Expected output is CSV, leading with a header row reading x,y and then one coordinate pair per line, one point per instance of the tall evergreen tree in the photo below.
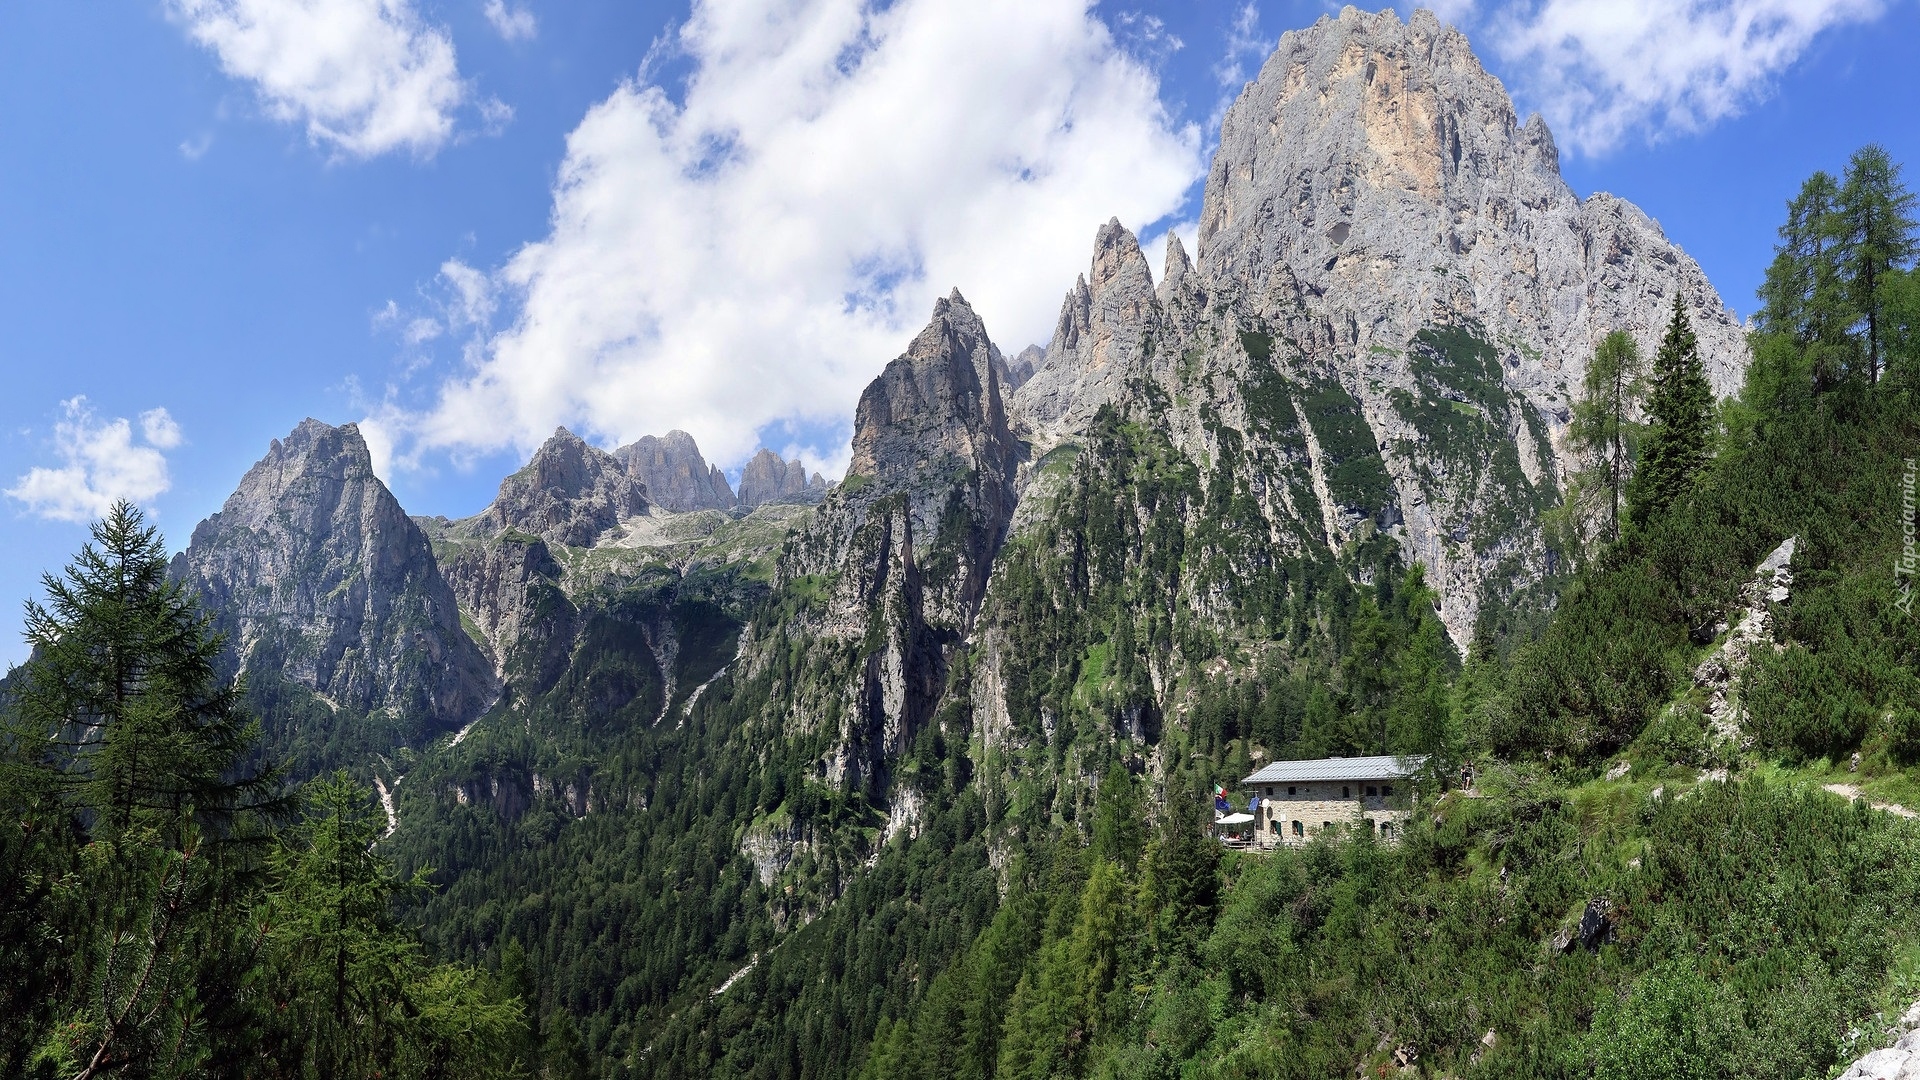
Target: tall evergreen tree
x,y
1878,237
1601,418
1679,440
1805,297
124,692
140,762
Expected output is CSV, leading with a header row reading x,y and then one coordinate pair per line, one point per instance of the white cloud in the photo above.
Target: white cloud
x,y
1604,70
1244,43
512,23
364,76
100,464
756,251
160,428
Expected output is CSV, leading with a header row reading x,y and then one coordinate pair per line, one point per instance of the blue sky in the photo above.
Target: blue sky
x,y
474,219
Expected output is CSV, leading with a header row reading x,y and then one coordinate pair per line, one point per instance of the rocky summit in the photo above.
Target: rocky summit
x,y
766,477
907,539
1386,238
569,493
676,477
319,579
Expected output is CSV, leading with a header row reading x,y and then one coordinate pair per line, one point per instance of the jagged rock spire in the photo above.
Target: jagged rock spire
x,y
569,493
1098,340
317,576
676,476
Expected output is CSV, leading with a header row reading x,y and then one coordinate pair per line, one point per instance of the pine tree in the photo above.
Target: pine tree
x,y
1878,237
141,759
1679,440
1118,828
357,995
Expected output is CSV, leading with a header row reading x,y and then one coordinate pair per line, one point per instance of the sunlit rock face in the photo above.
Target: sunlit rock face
x,y
316,575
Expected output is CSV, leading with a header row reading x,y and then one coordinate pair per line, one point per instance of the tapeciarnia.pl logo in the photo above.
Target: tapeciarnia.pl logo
x,y
1905,567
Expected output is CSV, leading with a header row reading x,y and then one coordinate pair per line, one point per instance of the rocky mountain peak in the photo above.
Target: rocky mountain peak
x,y
935,409
909,537
674,473
768,476
1097,341
319,578
1370,152
1177,268
569,493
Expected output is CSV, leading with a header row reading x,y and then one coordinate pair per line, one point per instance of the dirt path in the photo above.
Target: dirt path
x,y
1848,791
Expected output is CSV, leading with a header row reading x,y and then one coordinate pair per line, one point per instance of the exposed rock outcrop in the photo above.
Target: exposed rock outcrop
x,y
1752,627
318,576
569,494
1022,367
1900,1060
1381,174
908,538
1098,340
676,477
510,587
1395,299
766,477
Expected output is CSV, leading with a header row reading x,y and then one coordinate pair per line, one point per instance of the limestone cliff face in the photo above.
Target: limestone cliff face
x,y
316,575
906,542
509,586
1392,254
676,477
767,477
569,494
1378,175
1104,327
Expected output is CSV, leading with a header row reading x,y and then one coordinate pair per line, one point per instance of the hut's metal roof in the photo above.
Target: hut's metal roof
x,y
1387,767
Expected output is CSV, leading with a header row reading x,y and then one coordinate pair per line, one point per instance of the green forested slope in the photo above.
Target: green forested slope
x,y
632,882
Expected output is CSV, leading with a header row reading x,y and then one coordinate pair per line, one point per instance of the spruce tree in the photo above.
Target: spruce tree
x,y
1878,236
1805,297
1679,440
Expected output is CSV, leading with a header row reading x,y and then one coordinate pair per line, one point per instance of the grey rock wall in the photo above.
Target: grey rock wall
x,y
569,494
676,476
767,477
312,566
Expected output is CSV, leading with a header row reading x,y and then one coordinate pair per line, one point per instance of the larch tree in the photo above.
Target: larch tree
x,y
1875,224
1602,419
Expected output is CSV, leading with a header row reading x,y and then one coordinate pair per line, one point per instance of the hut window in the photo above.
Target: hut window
x,y
1346,792
1299,829
1289,792
1372,791
1387,790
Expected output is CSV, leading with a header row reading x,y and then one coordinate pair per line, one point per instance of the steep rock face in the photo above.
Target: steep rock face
x,y
1098,341
1395,300
1022,367
510,587
766,478
1377,174
569,494
676,477
314,570
905,543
